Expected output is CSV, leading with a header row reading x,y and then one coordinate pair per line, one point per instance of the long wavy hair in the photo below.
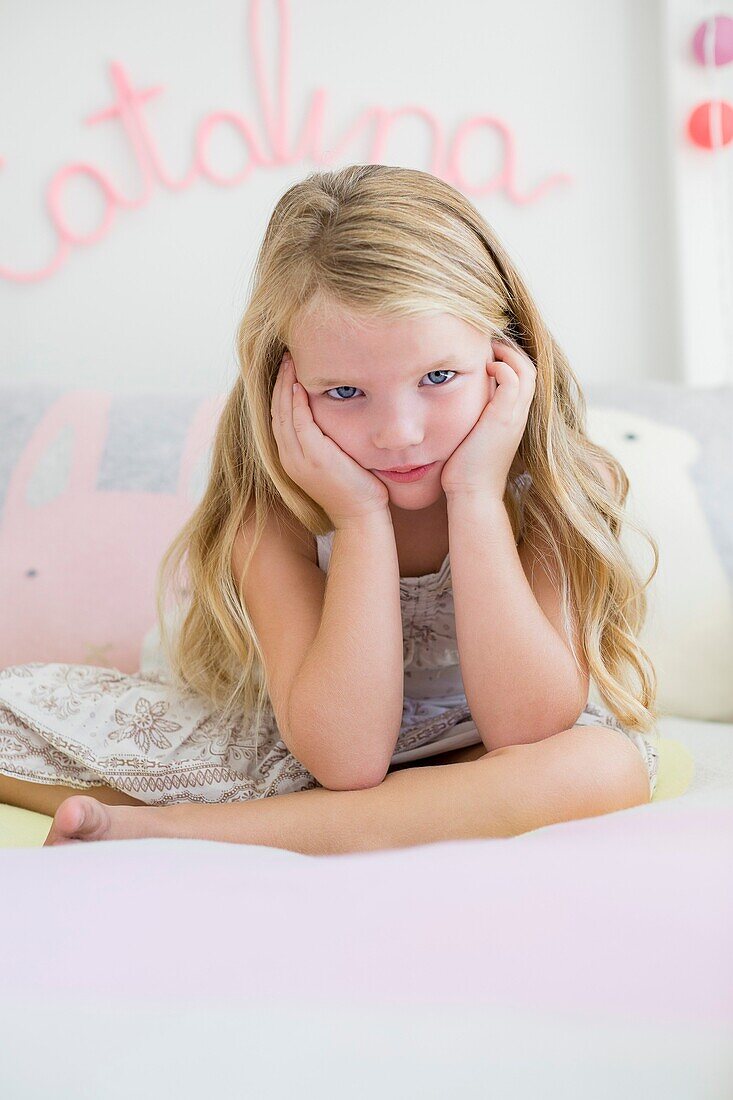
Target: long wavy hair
x,y
390,241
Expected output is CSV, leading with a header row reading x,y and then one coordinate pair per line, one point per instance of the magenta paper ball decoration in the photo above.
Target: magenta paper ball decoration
x,y
700,124
721,29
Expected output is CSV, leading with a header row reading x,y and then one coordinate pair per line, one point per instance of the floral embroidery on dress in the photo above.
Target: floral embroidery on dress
x,y
37,743
146,726
71,685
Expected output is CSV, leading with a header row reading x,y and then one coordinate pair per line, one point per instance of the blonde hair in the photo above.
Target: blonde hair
x,y
386,241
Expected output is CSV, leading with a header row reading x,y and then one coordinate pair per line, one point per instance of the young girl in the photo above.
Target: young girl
x,y
345,625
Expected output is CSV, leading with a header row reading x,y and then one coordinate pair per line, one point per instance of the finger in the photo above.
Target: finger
x,y
504,374
276,389
278,378
520,363
506,354
275,401
280,413
285,412
310,436
518,360
492,380
506,393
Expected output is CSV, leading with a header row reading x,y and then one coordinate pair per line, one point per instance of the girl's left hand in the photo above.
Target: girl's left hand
x,y
481,462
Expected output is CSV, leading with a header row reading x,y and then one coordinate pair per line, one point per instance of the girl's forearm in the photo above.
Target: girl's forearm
x,y
519,677
345,705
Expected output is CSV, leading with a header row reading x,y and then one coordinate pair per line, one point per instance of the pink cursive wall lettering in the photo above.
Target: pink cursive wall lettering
x,y
127,111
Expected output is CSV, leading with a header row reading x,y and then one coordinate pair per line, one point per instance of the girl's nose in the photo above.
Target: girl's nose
x,y
398,433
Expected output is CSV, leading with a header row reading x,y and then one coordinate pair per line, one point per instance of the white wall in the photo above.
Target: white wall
x,y
155,302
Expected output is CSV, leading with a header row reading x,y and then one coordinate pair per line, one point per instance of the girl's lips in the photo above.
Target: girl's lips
x,y
408,475
403,469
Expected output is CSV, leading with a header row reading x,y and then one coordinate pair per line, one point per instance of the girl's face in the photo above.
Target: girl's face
x,y
401,392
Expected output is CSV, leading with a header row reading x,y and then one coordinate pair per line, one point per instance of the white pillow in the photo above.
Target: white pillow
x,y
680,492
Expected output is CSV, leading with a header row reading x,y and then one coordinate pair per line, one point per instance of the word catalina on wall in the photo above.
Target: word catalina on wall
x,y
127,110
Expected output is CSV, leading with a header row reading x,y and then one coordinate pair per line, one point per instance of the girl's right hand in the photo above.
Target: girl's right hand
x,y
345,490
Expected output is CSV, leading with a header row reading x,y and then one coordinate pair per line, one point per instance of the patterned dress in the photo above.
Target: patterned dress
x,y
84,726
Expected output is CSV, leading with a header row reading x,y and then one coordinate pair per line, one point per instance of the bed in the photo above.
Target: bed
x,y
592,958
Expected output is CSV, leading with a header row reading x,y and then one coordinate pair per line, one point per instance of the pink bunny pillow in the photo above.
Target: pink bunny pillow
x,y
93,487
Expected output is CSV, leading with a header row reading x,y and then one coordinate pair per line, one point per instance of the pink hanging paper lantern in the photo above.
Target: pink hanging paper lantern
x,y
711,124
720,27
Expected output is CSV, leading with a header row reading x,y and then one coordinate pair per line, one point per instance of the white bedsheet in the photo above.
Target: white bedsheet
x,y
588,959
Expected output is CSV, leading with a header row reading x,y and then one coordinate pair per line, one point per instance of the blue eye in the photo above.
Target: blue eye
x,y
345,400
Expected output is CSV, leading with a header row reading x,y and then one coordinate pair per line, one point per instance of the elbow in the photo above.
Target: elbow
x,y
352,785
352,771
343,775
330,774
527,730
353,780
353,775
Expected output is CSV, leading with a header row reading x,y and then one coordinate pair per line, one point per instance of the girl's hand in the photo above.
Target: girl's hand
x,y
481,462
345,490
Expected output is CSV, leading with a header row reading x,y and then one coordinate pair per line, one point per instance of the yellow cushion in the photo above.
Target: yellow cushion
x,y
676,769
22,828
26,829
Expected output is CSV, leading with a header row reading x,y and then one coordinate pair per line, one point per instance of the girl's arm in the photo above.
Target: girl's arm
x,y
345,705
519,676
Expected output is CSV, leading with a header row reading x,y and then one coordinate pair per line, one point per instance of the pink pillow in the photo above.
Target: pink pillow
x,y
93,487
